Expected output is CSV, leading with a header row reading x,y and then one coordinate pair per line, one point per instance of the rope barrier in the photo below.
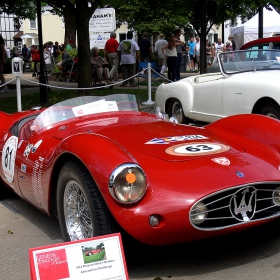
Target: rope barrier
x,y
2,85
76,88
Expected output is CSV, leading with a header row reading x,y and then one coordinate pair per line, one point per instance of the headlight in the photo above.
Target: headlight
x,y
128,183
198,213
276,196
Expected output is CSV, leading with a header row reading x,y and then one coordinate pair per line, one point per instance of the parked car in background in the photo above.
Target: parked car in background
x,y
263,44
247,82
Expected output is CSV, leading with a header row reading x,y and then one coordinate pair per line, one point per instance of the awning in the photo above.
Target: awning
x,y
18,35
29,36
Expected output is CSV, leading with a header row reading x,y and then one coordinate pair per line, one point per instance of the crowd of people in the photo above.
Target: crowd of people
x,y
126,54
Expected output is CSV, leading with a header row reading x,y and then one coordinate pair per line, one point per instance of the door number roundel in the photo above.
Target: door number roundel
x,y
196,149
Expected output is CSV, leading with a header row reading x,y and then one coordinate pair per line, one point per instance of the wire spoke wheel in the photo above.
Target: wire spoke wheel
x,y
76,212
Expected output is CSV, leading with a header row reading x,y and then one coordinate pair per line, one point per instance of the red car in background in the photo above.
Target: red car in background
x,y
263,43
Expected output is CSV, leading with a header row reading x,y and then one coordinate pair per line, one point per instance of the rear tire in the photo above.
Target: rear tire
x,y
82,212
271,110
175,109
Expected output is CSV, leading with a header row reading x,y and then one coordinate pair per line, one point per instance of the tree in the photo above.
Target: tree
x,y
165,16
80,12
20,8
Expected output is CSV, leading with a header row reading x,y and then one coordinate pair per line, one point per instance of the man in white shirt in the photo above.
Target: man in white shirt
x,y
219,49
160,57
129,52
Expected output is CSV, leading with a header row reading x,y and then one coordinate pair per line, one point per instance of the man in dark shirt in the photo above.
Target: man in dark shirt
x,y
145,48
55,51
25,52
177,35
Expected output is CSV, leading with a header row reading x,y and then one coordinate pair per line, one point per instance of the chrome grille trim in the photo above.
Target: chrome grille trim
x,y
238,205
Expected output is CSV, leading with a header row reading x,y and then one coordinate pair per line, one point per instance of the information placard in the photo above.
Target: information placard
x,y
93,258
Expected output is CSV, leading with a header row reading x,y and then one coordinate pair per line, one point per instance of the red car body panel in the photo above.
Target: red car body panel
x,y
262,41
175,183
93,252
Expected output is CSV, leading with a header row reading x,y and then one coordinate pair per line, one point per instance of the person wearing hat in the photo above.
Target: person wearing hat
x,y
160,57
69,45
145,48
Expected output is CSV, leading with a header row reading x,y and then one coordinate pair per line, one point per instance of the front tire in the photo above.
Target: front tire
x,y
175,109
271,110
82,212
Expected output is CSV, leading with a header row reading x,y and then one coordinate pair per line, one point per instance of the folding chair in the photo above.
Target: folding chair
x,y
157,77
142,73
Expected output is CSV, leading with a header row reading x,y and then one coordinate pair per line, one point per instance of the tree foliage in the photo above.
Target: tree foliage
x,y
20,8
159,16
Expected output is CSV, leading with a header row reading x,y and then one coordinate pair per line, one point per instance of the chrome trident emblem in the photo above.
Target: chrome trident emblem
x,y
247,197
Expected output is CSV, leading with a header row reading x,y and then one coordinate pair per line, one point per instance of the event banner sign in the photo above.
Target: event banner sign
x,y
93,258
103,20
98,39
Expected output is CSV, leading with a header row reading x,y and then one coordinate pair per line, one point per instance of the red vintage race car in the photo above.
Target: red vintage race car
x,y
101,166
92,252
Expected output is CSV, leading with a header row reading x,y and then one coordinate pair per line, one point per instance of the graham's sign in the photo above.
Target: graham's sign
x,y
103,20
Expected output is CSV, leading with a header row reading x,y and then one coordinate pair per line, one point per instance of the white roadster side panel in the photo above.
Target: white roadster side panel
x,y
181,90
208,98
242,91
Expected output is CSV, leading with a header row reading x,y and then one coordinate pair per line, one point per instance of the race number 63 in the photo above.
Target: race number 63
x,y
8,158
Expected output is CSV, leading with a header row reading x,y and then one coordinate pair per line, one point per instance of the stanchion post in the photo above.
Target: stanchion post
x,y
149,101
17,70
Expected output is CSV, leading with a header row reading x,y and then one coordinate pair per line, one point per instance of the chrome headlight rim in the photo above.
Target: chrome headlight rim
x,y
118,171
198,205
275,196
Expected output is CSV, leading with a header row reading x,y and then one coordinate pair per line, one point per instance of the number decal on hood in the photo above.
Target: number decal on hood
x,y
196,149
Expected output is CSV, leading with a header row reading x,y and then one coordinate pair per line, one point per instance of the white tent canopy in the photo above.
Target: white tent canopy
x,y
249,30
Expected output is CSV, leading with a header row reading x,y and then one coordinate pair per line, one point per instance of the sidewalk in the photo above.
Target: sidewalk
x,y
31,87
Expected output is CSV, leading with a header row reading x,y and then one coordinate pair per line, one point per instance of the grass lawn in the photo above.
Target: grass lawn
x,y
94,258
9,105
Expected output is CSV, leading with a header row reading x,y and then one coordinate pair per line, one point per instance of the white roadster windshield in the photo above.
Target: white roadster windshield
x,y
83,106
249,60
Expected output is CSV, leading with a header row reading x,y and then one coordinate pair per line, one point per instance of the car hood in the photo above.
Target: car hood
x,y
162,139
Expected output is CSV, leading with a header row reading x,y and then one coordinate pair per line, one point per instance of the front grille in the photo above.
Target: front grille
x,y
239,205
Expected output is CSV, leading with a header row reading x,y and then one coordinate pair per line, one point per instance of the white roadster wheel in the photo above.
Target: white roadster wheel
x,y
175,109
271,110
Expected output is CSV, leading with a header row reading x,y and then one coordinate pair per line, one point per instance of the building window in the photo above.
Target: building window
x,y
33,24
16,24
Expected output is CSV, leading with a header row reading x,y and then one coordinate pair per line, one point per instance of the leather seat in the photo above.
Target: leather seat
x,y
25,131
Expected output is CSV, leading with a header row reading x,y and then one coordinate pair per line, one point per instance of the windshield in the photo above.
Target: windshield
x,y
83,106
249,60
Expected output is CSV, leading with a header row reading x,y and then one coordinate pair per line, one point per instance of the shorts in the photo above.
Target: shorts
x,y
197,58
191,57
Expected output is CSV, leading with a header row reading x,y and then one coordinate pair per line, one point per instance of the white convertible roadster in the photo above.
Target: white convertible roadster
x,y
245,82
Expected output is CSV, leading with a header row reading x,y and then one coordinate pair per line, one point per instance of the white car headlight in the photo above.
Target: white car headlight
x,y
127,183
